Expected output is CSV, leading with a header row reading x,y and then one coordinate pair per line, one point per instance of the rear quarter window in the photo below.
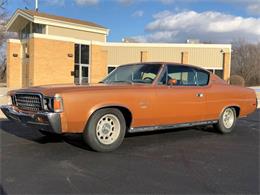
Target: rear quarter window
x,y
202,77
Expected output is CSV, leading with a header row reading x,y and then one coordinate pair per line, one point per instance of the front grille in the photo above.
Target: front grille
x,y
28,102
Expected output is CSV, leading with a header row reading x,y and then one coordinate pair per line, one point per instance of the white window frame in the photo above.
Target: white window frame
x,y
82,65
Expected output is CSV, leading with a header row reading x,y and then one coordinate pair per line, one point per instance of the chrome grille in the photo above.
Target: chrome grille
x,y
28,102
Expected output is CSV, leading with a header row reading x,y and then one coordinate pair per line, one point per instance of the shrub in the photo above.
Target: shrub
x,y
237,80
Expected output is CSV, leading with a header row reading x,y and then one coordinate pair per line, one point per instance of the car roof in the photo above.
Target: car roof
x,y
168,63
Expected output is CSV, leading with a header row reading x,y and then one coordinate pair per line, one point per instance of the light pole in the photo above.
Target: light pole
x,y
36,5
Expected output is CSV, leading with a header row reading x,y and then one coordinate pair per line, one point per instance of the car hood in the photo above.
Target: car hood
x,y
51,90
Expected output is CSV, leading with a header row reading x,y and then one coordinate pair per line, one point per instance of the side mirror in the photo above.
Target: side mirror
x,y
172,82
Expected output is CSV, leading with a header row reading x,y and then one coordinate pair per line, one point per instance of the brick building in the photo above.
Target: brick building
x,y
52,49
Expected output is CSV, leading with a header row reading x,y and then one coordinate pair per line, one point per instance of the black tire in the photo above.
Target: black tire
x,y
221,126
92,131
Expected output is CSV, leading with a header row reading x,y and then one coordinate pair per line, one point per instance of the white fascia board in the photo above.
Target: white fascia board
x,y
14,17
213,68
59,38
184,45
112,65
14,40
48,21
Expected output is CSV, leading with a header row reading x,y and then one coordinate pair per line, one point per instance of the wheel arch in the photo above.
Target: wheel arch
x,y
236,107
124,110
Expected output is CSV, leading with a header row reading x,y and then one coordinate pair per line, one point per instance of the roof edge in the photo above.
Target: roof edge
x,y
15,15
55,22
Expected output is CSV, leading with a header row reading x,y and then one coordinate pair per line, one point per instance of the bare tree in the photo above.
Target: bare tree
x,y
246,61
3,36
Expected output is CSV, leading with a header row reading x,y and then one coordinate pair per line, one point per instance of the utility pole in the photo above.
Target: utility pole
x,y
36,5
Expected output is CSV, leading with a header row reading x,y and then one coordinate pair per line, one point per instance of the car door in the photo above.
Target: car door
x,y
179,98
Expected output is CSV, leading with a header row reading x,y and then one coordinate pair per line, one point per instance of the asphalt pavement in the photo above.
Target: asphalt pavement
x,y
181,161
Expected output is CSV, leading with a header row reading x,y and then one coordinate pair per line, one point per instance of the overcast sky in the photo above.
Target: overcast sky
x,y
217,21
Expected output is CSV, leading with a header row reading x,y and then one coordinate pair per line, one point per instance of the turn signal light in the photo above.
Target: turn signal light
x,y
57,104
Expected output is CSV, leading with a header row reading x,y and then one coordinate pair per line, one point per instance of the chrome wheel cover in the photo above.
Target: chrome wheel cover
x,y
228,118
108,129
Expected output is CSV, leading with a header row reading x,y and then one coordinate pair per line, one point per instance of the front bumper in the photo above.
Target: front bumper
x,y
46,121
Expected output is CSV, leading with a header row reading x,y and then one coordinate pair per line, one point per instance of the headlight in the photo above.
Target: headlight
x,y
9,100
57,103
53,104
47,103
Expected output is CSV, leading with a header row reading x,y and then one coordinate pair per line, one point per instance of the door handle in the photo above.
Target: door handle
x,y
200,95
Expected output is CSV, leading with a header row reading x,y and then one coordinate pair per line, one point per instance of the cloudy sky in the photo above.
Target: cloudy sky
x,y
216,21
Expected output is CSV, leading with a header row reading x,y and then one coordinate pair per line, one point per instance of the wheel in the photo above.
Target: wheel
x,y
105,130
227,121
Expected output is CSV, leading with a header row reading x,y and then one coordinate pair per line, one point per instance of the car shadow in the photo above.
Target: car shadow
x,y
76,140
32,134
27,133
208,128
2,191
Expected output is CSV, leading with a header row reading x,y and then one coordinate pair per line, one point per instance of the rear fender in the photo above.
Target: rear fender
x,y
230,105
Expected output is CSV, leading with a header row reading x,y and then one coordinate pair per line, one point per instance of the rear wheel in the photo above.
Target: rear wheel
x,y
105,130
227,121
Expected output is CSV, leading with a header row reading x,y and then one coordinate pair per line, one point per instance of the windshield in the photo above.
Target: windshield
x,y
135,73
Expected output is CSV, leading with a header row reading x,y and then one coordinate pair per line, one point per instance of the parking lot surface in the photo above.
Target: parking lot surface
x,y
191,160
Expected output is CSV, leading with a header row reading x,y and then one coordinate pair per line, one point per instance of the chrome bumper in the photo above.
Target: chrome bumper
x,y
45,121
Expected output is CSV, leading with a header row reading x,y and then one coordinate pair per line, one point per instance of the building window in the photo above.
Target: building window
x,y
110,69
32,28
38,28
84,54
76,53
25,33
81,60
219,73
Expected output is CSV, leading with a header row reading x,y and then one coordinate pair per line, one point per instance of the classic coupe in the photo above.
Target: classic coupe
x,y
133,98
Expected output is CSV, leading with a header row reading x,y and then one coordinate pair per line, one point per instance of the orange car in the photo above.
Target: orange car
x,y
133,98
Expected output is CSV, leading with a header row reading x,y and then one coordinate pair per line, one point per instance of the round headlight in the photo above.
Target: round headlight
x,y
9,100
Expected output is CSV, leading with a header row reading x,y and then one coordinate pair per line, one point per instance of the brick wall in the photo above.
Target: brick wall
x,y
98,65
14,67
50,62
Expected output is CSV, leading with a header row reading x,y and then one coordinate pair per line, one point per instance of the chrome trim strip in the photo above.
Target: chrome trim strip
x,y
173,126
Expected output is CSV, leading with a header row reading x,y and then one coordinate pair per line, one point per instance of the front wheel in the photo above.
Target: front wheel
x,y
105,130
227,121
